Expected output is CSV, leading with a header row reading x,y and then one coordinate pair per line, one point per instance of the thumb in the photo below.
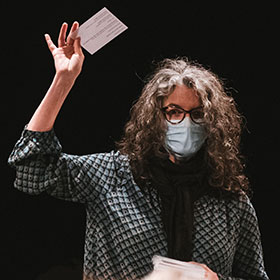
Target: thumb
x,y
50,43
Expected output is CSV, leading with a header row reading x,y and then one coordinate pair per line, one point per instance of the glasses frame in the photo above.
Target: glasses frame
x,y
163,109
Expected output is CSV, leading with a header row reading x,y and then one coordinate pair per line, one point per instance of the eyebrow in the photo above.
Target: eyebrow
x,y
179,107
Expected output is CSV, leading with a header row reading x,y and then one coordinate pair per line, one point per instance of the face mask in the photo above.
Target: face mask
x,y
184,139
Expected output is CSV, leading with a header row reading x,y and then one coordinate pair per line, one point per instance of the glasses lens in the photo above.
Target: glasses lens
x,y
197,116
174,115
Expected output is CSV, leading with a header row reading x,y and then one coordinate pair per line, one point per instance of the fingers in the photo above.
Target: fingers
x,y
201,265
62,35
50,43
209,274
76,42
70,40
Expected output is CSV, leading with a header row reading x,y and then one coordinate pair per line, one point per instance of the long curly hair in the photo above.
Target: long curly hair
x,y
144,133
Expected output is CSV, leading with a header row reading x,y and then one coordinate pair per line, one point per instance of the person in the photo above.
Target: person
x,y
175,186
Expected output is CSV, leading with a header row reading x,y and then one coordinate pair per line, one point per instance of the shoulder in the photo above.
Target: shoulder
x,y
107,169
120,160
235,205
243,205
248,216
235,212
107,164
99,165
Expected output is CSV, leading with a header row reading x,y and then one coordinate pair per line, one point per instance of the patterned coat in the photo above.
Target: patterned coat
x,y
124,229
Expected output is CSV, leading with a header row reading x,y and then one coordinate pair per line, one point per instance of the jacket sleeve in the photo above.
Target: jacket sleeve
x,y
42,167
248,260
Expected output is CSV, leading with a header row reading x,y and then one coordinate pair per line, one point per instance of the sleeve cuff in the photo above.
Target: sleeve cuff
x,y
33,143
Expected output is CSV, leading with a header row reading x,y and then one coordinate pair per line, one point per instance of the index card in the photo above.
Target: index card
x,y
190,270
99,30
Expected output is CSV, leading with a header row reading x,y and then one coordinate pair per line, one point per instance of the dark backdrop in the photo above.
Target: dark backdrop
x,y
44,236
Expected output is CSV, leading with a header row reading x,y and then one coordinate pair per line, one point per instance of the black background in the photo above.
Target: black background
x,y
44,236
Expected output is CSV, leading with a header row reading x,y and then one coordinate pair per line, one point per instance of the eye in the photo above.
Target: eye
x,y
174,115
197,115
172,112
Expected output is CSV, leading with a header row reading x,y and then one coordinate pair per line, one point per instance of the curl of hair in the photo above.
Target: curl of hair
x,y
144,134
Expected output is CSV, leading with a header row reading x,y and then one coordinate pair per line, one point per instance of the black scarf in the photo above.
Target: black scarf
x,y
179,185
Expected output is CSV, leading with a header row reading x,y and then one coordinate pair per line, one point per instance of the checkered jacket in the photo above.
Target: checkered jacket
x,y
124,229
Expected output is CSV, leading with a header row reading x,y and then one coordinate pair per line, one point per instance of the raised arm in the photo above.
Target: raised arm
x,y
68,59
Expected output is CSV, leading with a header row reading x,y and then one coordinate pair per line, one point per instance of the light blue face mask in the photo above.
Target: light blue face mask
x,y
184,139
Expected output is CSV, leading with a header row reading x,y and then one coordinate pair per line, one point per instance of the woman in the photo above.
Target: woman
x,y
175,187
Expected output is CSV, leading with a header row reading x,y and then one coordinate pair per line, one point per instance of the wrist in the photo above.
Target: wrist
x,y
65,79
63,83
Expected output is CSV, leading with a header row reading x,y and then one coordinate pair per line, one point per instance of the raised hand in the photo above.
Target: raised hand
x,y
68,59
68,56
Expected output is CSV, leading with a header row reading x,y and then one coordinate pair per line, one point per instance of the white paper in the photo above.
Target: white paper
x,y
99,30
190,271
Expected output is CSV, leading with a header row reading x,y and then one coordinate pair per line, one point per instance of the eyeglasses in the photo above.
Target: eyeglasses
x,y
175,114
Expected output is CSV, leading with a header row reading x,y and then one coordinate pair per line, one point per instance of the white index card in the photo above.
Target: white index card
x,y
189,270
99,30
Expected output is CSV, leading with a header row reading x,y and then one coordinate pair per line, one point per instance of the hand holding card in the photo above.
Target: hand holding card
x,y
183,270
68,56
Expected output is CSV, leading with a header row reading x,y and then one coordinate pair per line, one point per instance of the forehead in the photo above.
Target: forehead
x,y
183,96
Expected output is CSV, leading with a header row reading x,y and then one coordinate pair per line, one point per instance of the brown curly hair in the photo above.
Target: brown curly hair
x,y
144,134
